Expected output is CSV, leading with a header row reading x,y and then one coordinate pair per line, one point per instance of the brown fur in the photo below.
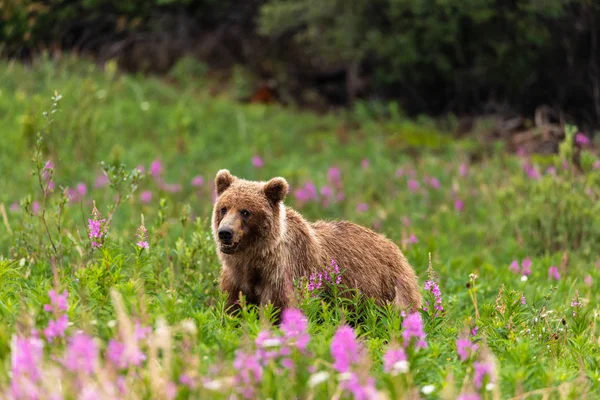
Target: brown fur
x,y
275,245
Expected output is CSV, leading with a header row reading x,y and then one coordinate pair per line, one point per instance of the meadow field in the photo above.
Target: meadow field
x,y
109,274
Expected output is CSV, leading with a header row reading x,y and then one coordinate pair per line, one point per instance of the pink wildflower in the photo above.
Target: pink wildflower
x,y
14,207
58,301
56,328
526,266
294,326
463,170
514,266
101,181
391,360
364,163
156,168
465,348
257,162
249,373
306,193
400,172
345,349
81,354
361,390
482,371
198,181
142,234
434,183
188,381
124,356
596,164
362,207
588,280
582,139
523,301
146,196
81,190
459,205
469,396
35,207
26,360
433,287
413,185
553,273
413,328
334,176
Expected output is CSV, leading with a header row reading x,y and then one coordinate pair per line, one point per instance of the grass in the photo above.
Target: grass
x,y
404,178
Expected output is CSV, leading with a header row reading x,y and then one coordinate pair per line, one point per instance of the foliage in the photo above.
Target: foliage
x,y
128,304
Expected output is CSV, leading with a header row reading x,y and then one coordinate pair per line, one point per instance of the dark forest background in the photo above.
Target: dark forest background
x,y
532,58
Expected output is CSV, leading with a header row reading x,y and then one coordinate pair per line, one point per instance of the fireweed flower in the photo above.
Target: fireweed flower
x,y
364,163
514,266
483,371
434,183
146,196
334,176
197,181
35,207
361,389
413,185
413,328
101,181
469,396
459,205
249,373
96,228
306,193
58,302
56,328
81,189
395,362
346,350
294,326
81,354
526,266
124,356
576,304
433,287
331,274
362,207
142,234
523,301
156,168
588,280
25,366
257,162
582,139
465,348
553,273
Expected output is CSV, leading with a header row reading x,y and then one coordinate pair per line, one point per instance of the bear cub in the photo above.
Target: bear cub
x,y
265,246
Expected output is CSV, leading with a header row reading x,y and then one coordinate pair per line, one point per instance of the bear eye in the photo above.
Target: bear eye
x,y
223,210
245,213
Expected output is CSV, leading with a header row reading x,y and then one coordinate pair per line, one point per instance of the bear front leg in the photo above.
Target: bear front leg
x,y
229,286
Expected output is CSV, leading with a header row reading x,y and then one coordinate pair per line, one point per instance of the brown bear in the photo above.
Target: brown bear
x,y
265,246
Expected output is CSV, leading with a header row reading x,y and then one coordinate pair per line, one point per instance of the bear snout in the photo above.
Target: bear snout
x,y
226,235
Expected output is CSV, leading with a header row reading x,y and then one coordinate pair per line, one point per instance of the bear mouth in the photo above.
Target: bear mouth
x,y
229,248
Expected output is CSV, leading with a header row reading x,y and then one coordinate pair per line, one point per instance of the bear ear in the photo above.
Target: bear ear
x,y
223,180
276,190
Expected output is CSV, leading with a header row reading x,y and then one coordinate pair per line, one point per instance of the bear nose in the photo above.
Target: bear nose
x,y
226,235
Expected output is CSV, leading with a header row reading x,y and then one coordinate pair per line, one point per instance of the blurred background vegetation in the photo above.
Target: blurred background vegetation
x,y
465,57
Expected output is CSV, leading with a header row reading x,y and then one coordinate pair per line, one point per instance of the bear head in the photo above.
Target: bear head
x,y
248,215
